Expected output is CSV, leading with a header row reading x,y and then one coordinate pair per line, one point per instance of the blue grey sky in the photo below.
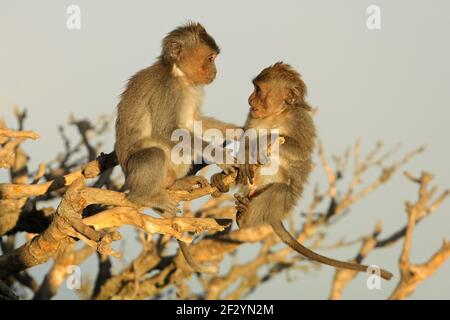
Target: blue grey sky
x,y
390,84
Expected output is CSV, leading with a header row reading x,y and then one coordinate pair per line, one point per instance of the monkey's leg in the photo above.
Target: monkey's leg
x,y
260,206
212,123
146,179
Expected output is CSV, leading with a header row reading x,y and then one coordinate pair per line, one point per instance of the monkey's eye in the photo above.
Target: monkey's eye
x,y
211,58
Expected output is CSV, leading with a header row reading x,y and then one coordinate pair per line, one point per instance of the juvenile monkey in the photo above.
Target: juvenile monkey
x,y
278,102
157,100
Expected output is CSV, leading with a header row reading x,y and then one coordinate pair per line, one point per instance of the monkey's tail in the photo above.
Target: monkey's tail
x,y
192,263
288,239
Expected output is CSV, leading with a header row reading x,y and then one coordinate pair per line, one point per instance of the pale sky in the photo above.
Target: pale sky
x,y
390,84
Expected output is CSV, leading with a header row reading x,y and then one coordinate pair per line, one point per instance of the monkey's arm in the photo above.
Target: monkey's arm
x,y
227,164
211,152
254,158
290,149
212,123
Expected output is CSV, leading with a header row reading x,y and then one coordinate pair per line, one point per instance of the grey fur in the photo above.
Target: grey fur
x,y
158,100
275,201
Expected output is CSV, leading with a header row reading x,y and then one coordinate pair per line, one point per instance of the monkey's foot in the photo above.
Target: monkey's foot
x,y
162,203
190,183
170,209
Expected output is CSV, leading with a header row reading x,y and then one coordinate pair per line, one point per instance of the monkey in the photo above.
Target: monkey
x,y
278,101
156,101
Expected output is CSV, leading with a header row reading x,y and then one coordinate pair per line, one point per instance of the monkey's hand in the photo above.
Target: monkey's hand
x,y
247,170
242,204
190,183
217,180
246,173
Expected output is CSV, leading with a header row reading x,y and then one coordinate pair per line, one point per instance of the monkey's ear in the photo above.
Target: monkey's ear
x,y
175,48
293,96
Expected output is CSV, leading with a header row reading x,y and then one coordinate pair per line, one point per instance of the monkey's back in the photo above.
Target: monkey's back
x,y
140,121
298,166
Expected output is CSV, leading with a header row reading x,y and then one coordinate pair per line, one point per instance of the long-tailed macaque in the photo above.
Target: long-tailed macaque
x,y
278,102
158,100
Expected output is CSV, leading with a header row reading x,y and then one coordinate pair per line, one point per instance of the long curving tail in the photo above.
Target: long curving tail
x,y
192,263
288,239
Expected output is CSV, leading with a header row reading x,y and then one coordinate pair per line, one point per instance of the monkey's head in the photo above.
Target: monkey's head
x,y
276,88
193,51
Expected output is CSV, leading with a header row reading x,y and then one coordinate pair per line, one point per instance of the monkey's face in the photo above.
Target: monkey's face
x,y
267,98
199,65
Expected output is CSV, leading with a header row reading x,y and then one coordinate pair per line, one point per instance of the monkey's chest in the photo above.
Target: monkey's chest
x,y
191,102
